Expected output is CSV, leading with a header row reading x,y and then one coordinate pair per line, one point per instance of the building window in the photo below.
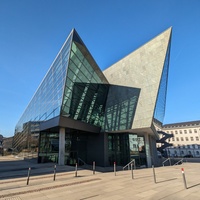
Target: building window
x,y
185,131
180,131
197,152
182,139
197,138
190,131
191,138
186,138
167,131
171,132
195,130
182,152
176,132
188,146
173,139
177,139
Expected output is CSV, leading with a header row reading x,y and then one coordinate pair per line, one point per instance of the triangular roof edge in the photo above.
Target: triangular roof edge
x,y
94,63
168,29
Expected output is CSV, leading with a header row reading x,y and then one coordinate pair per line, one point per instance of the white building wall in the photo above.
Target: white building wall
x,y
186,140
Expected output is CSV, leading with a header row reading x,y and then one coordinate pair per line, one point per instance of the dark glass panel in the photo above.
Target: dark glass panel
x,y
120,108
87,99
118,149
48,147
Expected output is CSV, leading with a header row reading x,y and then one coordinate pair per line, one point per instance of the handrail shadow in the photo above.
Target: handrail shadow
x,y
193,186
166,180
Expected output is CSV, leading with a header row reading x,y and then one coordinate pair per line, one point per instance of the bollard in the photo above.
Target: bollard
x,y
54,177
29,171
115,168
76,170
93,167
154,175
132,170
184,180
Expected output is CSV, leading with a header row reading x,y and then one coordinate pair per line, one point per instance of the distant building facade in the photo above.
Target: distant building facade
x,y
7,143
80,112
179,139
1,144
185,140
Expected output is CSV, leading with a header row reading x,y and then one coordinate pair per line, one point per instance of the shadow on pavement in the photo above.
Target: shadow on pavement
x,y
166,180
19,168
193,186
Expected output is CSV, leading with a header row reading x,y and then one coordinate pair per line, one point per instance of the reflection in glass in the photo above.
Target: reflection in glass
x,y
161,98
120,108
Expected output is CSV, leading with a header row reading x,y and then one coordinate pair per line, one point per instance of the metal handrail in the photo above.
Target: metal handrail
x,y
132,161
168,159
79,159
179,162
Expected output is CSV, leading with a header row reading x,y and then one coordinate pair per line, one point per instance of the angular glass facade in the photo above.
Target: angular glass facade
x,y
73,87
93,119
47,100
85,89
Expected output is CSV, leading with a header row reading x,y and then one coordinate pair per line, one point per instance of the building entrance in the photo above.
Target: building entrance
x,y
124,147
75,147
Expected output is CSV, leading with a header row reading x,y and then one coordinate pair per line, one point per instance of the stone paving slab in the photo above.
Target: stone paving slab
x,y
169,183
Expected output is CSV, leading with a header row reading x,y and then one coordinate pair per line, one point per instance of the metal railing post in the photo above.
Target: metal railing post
x,y
76,170
184,179
54,176
132,170
134,164
115,168
93,167
154,174
29,171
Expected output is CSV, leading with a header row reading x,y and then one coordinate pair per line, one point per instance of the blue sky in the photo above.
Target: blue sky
x,y
33,31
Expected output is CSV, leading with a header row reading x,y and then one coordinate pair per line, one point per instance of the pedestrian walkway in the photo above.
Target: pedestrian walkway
x,y
99,186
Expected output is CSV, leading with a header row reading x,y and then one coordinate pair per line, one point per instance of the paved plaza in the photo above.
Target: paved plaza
x,y
101,185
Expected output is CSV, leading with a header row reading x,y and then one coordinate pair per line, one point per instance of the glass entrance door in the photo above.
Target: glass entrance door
x,y
137,150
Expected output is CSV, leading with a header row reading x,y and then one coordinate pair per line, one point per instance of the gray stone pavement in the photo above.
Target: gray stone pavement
x,y
106,186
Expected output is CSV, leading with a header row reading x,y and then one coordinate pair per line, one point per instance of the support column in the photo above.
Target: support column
x,y
61,159
148,150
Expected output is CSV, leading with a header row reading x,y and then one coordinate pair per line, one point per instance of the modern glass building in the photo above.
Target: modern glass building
x,y
81,113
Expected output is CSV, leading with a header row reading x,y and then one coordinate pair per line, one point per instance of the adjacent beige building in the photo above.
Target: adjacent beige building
x,y
185,140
